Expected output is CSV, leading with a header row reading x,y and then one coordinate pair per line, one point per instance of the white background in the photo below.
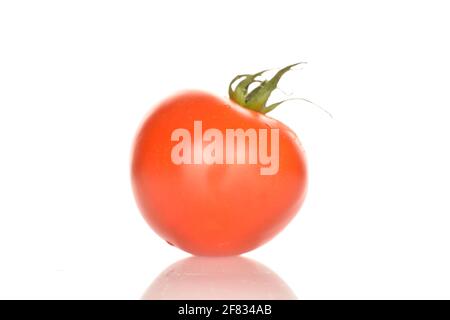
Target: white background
x,y
77,78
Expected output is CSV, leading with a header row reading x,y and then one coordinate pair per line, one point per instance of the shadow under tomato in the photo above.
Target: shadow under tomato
x,y
200,278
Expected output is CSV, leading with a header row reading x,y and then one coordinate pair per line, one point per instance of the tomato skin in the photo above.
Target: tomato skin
x,y
217,209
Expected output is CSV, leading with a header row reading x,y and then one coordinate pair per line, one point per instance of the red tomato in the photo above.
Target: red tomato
x,y
220,208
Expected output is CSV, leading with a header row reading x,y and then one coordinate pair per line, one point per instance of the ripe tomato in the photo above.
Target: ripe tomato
x,y
227,204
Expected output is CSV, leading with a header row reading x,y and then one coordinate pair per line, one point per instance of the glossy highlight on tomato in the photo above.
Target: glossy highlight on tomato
x,y
220,208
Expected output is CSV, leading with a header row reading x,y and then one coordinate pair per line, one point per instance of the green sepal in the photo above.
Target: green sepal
x,y
274,105
239,94
256,99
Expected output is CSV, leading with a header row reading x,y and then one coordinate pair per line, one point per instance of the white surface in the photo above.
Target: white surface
x,y
77,77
